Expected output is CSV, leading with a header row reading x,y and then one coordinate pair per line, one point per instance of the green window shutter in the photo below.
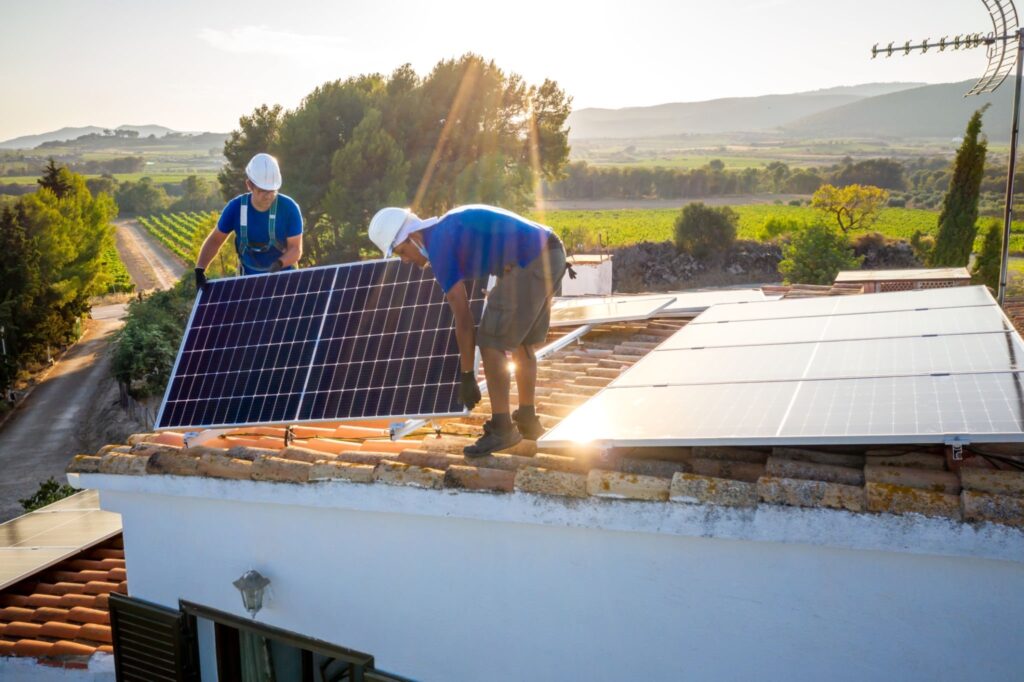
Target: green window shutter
x,y
152,643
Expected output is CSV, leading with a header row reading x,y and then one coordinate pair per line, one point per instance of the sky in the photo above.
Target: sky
x,y
201,64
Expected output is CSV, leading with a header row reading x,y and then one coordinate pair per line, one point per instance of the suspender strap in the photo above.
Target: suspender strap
x,y
243,227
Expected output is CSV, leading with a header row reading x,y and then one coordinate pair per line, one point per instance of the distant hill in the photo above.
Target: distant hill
x,y
64,134
734,114
930,111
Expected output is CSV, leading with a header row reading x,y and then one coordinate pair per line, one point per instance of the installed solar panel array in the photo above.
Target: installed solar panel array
x,y
358,341
909,367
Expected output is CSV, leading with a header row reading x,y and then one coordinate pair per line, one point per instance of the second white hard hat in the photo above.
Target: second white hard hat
x,y
385,226
264,172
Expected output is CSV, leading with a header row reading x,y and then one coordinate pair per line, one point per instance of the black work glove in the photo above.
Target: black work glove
x,y
277,266
469,392
201,279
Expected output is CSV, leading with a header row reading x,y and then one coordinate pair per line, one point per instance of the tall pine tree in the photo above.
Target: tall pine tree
x,y
959,216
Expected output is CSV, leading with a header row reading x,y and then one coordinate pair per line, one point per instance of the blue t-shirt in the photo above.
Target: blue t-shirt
x,y
476,240
288,224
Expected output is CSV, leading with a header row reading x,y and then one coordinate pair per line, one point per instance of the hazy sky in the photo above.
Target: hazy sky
x,y
199,65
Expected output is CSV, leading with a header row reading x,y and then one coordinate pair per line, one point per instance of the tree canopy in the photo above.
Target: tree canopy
x,y
53,242
466,132
854,207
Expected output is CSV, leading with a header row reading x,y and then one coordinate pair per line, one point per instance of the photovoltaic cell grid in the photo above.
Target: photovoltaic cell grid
x,y
864,369
355,341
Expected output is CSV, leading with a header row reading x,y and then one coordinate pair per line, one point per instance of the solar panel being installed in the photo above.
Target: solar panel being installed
x,y
847,376
362,340
607,310
685,303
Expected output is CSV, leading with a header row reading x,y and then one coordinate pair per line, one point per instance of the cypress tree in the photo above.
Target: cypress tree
x,y
959,216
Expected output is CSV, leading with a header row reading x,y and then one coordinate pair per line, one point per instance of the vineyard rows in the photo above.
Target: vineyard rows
x,y
120,280
629,226
177,231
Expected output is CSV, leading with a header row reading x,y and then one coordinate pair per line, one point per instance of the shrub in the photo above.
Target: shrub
x,y
706,232
776,227
897,202
868,241
923,245
987,266
816,254
795,202
145,347
49,492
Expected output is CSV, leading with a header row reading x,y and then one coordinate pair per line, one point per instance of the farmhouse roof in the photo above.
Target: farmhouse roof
x,y
860,480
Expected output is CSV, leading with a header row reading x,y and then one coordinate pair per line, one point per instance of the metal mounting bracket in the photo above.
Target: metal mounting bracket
x,y
194,438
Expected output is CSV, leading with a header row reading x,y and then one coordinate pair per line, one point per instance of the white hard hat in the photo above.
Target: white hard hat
x,y
385,226
264,172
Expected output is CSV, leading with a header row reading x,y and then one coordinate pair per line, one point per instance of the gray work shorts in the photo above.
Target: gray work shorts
x,y
518,310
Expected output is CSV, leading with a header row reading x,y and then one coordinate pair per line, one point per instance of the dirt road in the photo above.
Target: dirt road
x,y
150,264
60,418
44,434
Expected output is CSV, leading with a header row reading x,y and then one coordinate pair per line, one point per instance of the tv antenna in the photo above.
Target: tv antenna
x,y
1005,46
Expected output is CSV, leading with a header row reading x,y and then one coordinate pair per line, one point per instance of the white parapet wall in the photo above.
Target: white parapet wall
x,y
457,586
593,276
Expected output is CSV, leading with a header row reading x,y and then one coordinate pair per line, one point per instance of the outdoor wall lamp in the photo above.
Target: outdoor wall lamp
x,y
251,585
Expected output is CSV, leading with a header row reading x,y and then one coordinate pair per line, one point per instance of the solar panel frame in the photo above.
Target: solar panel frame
x,y
944,298
294,405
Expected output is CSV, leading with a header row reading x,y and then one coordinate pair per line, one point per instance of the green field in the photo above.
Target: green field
x,y
158,178
628,226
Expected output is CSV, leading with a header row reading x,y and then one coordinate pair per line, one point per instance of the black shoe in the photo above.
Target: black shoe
x,y
493,440
530,427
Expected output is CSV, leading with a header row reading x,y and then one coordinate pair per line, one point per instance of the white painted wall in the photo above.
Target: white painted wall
x,y
463,586
100,669
592,279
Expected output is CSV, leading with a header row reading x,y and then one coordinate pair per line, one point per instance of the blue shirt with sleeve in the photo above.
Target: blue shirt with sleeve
x,y
475,241
288,224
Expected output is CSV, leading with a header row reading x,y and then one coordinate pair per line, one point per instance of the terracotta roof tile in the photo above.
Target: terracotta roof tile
x,y
66,648
82,614
96,632
70,601
60,630
50,613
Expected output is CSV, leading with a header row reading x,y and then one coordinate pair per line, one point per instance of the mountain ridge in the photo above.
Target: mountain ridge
x,y
69,133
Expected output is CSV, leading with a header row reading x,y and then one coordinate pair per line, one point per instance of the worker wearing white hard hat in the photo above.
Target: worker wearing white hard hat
x,y
528,259
267,224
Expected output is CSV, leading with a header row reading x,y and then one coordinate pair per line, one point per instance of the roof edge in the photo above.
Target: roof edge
x,y
905,533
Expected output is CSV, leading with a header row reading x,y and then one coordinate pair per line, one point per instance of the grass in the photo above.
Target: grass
x,y
628,226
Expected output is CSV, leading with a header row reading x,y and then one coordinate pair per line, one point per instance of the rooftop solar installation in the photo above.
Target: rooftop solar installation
x,y
867,370
32,542
374,339
608,310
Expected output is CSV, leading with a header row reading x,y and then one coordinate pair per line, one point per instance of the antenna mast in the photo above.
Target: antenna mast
x,y
1005,46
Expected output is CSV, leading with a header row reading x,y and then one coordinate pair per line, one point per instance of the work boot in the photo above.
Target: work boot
x,y
496,437
528,425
